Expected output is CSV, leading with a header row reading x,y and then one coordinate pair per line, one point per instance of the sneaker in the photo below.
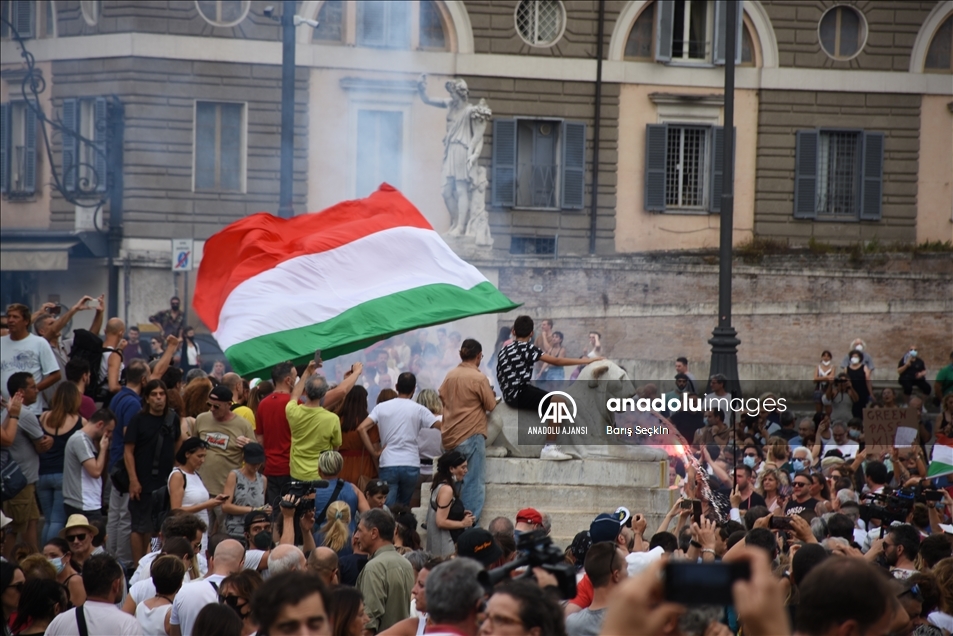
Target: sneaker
x,y
552,453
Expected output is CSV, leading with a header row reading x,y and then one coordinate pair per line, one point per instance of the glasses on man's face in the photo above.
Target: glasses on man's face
x,y
800,484
232,600
76,538
214,406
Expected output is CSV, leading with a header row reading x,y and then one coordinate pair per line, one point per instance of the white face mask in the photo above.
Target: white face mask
x,y
854,360
859,347
826,363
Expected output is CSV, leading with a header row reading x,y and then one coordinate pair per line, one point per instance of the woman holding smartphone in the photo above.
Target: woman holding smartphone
x,y
187,491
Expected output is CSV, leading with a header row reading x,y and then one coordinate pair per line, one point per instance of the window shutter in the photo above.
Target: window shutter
x,y
574,165
716,178
372,23
805,175
397,27
4,147
664,21
656,146
70,144
100,114
24,12
504,163
871,194
29,149
723,11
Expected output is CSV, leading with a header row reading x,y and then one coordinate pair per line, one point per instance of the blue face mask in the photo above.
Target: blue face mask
x,y
705,421
750,461
854,433
798,465
913,353
57,564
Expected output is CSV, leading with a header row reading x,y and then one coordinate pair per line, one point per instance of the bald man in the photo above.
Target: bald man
x,y
323,561
112,353
234,382
228,559
286,558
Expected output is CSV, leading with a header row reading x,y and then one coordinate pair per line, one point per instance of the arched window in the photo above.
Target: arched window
x,y
406,25
940,54
640,45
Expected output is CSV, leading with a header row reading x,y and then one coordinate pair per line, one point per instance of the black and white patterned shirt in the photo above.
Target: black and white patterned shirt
x,y
514,367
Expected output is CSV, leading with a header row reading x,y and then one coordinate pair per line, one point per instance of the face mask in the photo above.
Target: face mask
x,y
854,433
705,421
798,465
57,564
855,360
826,363
263,540
913,353
749,461
859,347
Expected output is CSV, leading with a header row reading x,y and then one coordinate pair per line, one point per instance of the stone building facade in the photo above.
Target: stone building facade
x,y
199,86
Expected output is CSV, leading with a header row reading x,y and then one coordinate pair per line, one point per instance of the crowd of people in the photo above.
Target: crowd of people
x,y
178,502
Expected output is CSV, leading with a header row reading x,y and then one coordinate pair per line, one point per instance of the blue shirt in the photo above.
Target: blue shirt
x,y
348,495
124,406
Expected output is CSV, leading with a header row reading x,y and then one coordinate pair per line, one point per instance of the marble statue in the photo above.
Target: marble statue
x,y
464,180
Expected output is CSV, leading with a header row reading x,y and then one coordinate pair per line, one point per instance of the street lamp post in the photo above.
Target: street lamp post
x,y
724,341
285,199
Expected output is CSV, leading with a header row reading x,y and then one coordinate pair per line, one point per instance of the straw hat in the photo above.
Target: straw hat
x,y
78,521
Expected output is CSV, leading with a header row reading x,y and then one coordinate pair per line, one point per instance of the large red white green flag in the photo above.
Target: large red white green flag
x,y
274,289
941,462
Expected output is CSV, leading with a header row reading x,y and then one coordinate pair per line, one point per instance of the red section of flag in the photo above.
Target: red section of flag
x,y
261,242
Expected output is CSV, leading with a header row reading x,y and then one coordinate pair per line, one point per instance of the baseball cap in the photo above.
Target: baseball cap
x,y
221,393
605,527
624,516
479,544
529,515
255,516
253,453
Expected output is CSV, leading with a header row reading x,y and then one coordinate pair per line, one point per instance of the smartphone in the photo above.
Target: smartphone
x,y
55,310
697,511
317,357
685,504
780,523
703,583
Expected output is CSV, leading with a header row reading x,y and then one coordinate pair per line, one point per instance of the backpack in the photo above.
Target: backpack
x,y
89,347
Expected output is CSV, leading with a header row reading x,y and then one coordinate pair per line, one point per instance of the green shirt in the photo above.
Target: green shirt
x,y
386,582
945,379
313,431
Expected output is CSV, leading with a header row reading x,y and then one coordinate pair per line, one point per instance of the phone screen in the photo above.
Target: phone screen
x,y
697,511
780,523
685,504
317,356
703,583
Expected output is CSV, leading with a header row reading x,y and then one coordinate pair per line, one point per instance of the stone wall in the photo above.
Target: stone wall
x,y
159,98
783,113
892,28
786,309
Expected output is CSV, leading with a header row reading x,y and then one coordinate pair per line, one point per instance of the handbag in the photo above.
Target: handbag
x,y
14,480
119,476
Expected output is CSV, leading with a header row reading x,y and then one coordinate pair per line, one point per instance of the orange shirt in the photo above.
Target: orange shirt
x,y
466,396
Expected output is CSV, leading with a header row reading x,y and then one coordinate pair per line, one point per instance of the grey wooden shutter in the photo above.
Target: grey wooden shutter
x,y
574,165
724,10
871,184
29,150
504,163
24,17
656,144
100,114
716,177
664,21
4,147
70,119
805,174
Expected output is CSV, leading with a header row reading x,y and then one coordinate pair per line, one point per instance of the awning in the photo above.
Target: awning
x,y
33,257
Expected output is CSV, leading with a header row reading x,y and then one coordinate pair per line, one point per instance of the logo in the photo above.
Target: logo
x,y
558,411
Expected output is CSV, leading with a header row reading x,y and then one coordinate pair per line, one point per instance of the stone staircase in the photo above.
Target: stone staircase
x,y
573,492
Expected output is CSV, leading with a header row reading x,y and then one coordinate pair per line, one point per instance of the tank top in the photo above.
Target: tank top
x,y
858,380
51,462
195,493
247,493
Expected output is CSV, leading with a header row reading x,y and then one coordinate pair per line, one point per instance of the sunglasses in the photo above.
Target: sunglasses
x,y
232,600
76,537
800,484
213,405
914,591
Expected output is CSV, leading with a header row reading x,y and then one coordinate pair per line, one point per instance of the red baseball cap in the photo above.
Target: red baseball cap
x,y
529,515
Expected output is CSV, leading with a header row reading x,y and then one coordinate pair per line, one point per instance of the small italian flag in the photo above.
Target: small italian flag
x,y
941,463
274,289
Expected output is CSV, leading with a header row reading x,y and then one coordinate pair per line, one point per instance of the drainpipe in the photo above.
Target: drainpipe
x,y
597,128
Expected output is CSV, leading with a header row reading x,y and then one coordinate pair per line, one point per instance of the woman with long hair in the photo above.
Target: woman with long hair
x,y
236,592
258,393
40,602
769,486
196,396
173,382
819,487
349,616
446,517
944,420
187,491
191,356
11,588
336,533
58,553
60,422
359,465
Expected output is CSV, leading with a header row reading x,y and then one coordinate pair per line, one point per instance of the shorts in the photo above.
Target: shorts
x,y
529,398
141,513
22,509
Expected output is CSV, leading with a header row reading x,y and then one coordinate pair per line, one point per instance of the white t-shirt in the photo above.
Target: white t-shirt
x,y
848,450
33,355
190,600
144,571
398,421
101,619
145,589
939,619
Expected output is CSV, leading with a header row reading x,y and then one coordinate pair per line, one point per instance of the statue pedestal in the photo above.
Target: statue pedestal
x,y
573,492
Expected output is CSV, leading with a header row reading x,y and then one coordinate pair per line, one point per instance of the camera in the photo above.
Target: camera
x,y
301,490
896,505
535,550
